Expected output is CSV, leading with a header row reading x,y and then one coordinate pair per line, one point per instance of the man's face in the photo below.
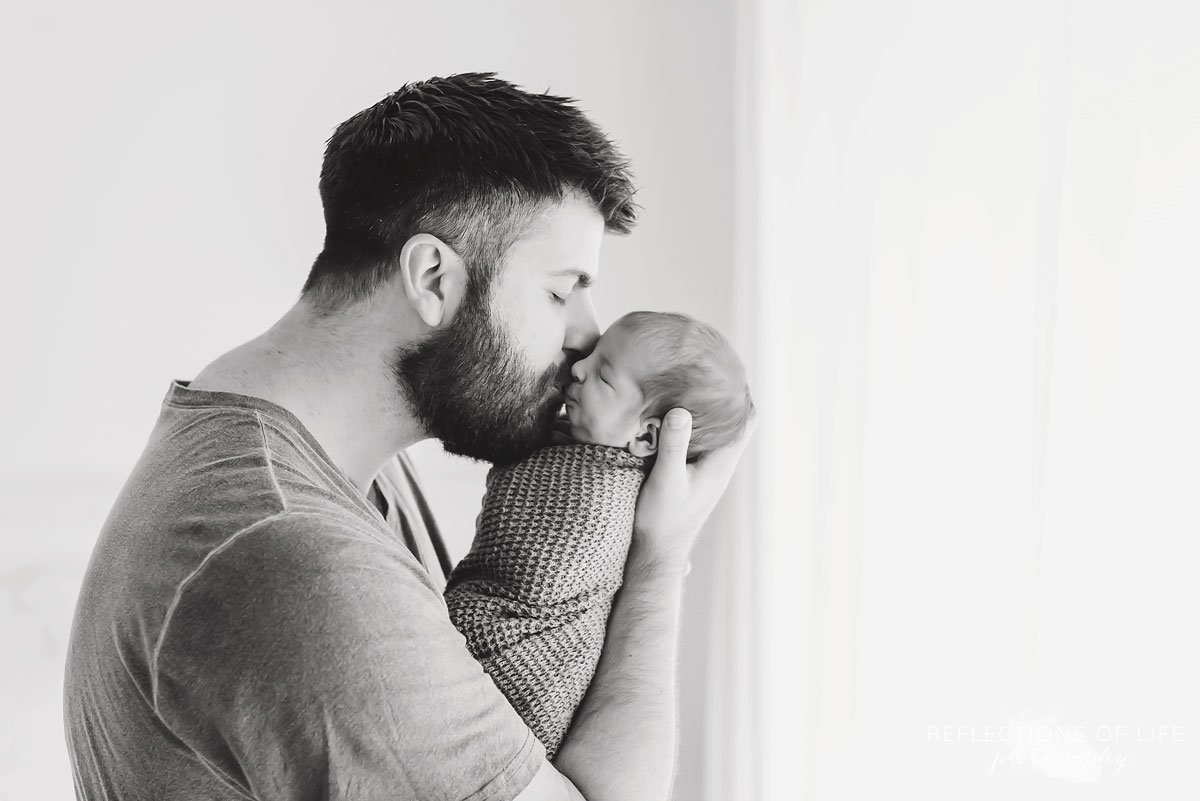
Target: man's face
x,y
490,383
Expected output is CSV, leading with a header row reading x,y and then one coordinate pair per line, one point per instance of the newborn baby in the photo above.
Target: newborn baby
x,y
533,595
646,364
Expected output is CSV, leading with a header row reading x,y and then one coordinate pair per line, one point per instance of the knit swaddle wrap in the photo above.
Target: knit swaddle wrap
x,y
533,595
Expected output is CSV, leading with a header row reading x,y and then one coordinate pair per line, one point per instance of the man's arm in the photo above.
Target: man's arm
x,y
622,742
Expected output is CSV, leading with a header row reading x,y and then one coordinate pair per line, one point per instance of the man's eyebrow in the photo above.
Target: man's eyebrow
x,y
583,278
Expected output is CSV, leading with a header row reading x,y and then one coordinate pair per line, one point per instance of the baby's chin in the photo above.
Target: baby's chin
x,y
565,425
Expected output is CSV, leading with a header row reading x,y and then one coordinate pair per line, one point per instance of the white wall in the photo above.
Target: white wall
x,y
978,497
161,207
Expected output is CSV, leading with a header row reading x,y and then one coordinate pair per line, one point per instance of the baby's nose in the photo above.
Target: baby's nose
x,y
577,370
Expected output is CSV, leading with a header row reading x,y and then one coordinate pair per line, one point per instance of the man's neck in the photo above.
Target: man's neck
x,y
334,375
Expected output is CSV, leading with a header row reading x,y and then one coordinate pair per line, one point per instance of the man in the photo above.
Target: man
x,y
262,615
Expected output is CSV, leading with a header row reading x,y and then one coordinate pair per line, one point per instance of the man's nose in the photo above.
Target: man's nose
x,y
583,330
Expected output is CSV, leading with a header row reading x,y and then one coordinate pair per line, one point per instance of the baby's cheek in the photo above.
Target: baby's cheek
x,y
597,428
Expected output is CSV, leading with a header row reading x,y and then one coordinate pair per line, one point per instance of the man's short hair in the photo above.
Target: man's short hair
x,y
470,159
693,366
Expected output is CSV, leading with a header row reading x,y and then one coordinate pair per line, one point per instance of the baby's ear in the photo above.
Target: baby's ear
x,y
645,443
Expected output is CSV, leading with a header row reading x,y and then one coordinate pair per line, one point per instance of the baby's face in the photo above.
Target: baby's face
x,y
604,403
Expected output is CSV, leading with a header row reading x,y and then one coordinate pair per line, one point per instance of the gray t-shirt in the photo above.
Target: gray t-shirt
x,y
251,627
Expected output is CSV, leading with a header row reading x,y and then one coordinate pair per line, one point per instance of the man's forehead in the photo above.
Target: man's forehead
x,y
565,236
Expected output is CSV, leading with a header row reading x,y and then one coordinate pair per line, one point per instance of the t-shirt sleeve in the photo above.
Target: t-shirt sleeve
x,y
304,660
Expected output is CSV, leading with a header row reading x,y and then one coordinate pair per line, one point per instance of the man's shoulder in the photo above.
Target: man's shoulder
x,y
223,503
226,467
247,480
306,544
303,571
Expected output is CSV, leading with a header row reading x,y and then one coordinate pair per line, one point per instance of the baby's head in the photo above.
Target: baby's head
x,y
648,363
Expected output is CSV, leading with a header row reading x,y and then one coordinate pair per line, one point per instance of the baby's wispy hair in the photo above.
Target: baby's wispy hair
x,y
695,367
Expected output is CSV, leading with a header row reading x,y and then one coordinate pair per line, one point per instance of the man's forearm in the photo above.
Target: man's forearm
x,y
622,742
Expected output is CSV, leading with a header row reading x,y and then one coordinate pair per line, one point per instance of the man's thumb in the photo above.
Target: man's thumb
x,y
676,434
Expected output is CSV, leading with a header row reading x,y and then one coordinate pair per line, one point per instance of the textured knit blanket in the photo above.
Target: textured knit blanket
x,y
533,595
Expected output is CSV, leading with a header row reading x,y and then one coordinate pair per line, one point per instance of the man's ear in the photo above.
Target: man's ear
x,y
645,442
433,276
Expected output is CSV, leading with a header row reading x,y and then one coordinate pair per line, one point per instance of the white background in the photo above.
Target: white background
x,y
977,224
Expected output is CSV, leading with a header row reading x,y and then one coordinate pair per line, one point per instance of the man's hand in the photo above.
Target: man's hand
x,y
678,497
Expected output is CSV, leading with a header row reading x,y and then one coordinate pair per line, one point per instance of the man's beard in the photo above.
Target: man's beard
x,y
470,388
